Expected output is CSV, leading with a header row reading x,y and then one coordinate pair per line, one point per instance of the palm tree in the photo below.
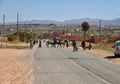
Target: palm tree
x,y
85,26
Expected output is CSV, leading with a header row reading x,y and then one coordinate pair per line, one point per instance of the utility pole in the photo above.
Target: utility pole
x,y
100,30
4,26
1,39
4,21
67,33
25,32
17,21
17,27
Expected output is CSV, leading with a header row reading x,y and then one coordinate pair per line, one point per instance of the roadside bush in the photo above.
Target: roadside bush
x,y
12,37
17,47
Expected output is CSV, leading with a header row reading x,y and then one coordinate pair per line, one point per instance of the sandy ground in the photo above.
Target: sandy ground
x,y
15,67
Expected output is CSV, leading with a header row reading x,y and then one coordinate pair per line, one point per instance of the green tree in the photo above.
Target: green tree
x,y
85,26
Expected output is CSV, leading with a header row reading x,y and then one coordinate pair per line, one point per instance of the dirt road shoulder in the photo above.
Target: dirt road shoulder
x,y
16,66
105,55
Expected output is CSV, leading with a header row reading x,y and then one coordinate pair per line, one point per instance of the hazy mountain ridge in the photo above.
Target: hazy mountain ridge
x,y
91,21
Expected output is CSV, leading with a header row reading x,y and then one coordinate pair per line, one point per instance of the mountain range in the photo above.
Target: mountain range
x,y
114,22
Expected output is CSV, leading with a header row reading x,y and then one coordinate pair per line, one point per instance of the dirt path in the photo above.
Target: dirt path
x,y
15,67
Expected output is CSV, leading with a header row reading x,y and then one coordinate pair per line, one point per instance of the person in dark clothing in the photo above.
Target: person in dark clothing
x,y
40,43
74,46
34,42
67,45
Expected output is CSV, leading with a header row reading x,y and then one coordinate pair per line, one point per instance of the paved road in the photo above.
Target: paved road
x,y
62,66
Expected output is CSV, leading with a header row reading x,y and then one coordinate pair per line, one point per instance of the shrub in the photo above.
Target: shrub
x,y
12,37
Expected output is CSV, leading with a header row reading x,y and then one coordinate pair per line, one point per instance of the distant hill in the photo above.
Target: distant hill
x,y
36,22
115,22
91,21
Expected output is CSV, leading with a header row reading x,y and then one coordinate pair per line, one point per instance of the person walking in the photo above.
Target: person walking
x,y
40,43
74,45
31,44
67,45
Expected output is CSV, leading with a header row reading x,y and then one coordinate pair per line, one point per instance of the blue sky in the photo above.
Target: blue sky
x,y
59,10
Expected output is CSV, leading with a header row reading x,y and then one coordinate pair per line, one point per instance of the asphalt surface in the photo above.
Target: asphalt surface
x,y
63,66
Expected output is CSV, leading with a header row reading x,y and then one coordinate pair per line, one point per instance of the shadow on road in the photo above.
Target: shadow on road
x,y
112,57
